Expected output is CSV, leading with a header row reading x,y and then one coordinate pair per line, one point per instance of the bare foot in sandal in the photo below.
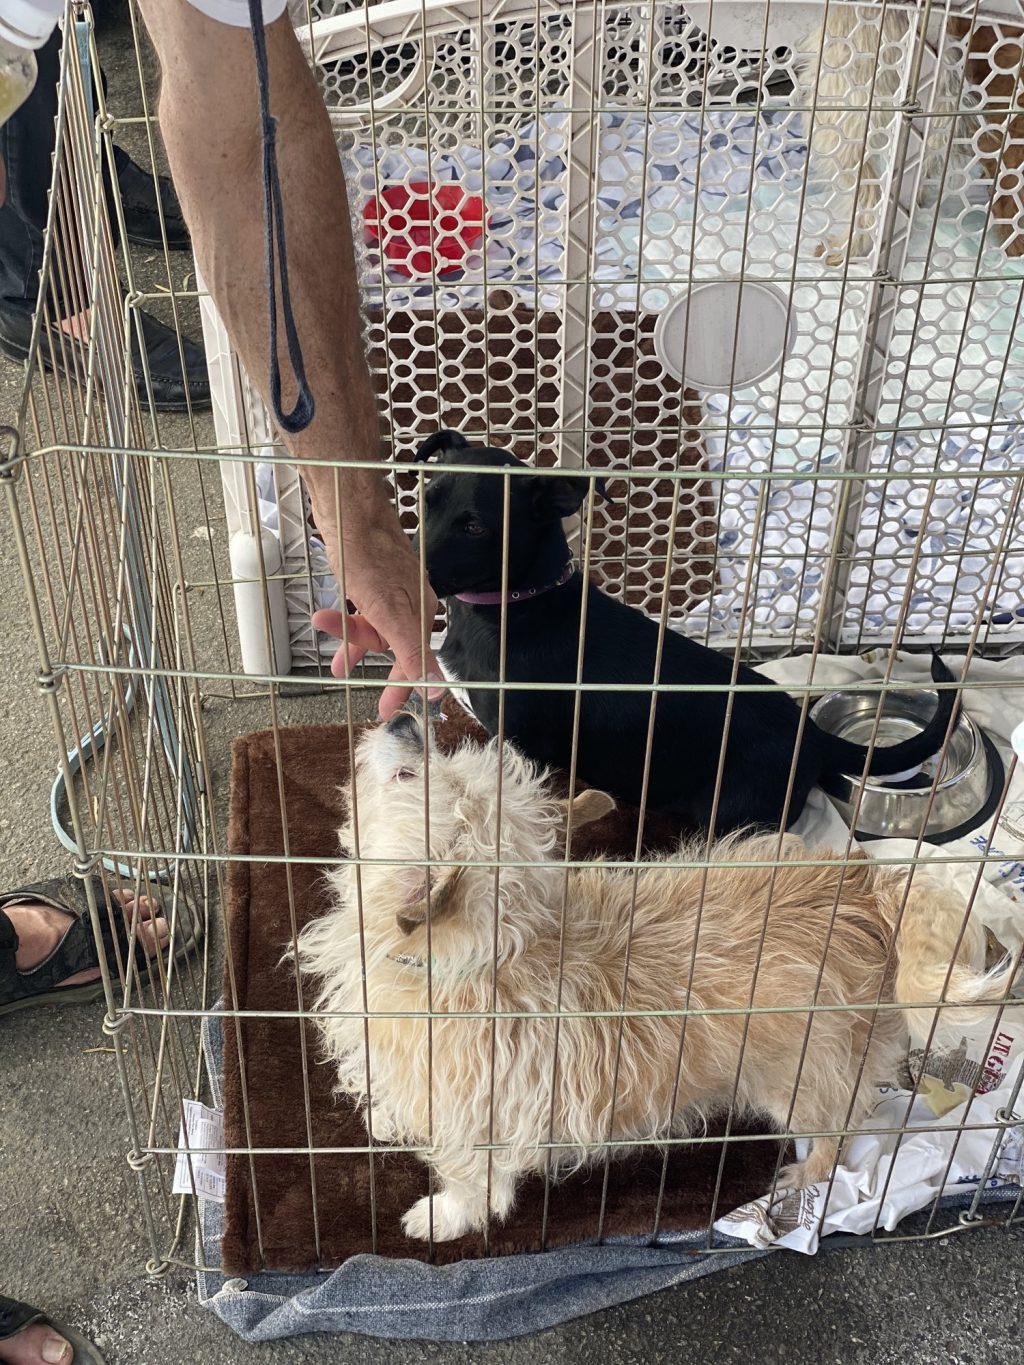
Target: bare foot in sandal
x,y
40,929
35,1344
29,1336
47,951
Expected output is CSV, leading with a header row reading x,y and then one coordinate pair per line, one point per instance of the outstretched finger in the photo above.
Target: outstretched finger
x,y
362,638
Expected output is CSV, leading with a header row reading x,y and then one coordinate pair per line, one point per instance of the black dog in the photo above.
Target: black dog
x,y
463,551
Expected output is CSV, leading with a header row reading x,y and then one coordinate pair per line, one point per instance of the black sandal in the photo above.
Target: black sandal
x,y
15,1317
76,951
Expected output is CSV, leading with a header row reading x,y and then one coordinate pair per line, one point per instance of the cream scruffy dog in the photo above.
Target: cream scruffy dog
x,y
497,1101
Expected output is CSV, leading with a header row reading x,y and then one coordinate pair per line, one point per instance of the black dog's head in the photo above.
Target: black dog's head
x,y
464,518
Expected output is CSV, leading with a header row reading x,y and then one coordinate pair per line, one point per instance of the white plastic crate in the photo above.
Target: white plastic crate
x,y
629,162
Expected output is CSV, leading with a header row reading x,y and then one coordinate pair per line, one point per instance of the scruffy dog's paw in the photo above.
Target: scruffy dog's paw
x,y
816,1169
452,1218
792,1176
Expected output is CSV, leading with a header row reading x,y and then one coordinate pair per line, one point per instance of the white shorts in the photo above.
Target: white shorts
x,y
28,23
237,11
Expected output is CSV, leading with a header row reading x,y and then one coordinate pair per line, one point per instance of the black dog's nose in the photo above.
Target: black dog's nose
x,y
405,726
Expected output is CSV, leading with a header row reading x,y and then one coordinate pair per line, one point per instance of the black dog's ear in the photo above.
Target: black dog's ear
x,y
563,496
440,441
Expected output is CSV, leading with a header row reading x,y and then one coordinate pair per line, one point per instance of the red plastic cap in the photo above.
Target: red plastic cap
x,y
425,229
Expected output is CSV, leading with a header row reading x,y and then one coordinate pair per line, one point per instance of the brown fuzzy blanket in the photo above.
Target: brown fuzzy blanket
x,y
294,1212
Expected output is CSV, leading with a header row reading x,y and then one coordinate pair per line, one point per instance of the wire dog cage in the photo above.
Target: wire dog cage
x,y
757,265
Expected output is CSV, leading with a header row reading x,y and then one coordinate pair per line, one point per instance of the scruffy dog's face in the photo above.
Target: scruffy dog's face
x,y
411,802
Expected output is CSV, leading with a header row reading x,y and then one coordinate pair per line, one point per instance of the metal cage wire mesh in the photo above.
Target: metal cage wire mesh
x,y
860,165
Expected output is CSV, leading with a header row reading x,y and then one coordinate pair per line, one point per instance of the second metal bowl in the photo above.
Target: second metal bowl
x,y
898,807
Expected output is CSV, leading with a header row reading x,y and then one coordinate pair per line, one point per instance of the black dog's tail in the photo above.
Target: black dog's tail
x,y
842,756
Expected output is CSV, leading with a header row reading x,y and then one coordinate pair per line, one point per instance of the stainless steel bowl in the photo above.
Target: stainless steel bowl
x,y
896,808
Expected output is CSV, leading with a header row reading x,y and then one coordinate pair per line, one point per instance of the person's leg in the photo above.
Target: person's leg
x,y
40,929
139,194
28,1336
36,1344
26,147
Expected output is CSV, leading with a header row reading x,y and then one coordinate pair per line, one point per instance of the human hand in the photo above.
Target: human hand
x,y
382,580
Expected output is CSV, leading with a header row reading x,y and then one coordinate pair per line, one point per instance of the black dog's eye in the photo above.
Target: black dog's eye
x,y
474,528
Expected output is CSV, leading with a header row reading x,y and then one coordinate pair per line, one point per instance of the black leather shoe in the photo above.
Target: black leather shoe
x,y
138,202
172,390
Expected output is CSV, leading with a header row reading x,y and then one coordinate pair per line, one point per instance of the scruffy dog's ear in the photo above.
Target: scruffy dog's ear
x,y
443,900
588,806
439,442
562,496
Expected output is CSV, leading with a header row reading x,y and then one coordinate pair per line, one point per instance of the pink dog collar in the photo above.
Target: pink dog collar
x,y
498,599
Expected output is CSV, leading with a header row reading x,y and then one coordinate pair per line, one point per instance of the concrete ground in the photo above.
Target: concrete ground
x,y
71,1234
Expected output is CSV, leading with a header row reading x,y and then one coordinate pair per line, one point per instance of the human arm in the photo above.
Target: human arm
x,y
209,119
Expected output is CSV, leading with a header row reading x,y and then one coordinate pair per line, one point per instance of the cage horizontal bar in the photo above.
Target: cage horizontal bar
x,y
658,558
704,271
690,1140
689,474
395,20
647,689
880,1237
632,865
1005,1003
1001,106
877,1238
500,114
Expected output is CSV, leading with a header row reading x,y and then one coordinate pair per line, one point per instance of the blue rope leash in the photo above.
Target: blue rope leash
x,y
273,226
